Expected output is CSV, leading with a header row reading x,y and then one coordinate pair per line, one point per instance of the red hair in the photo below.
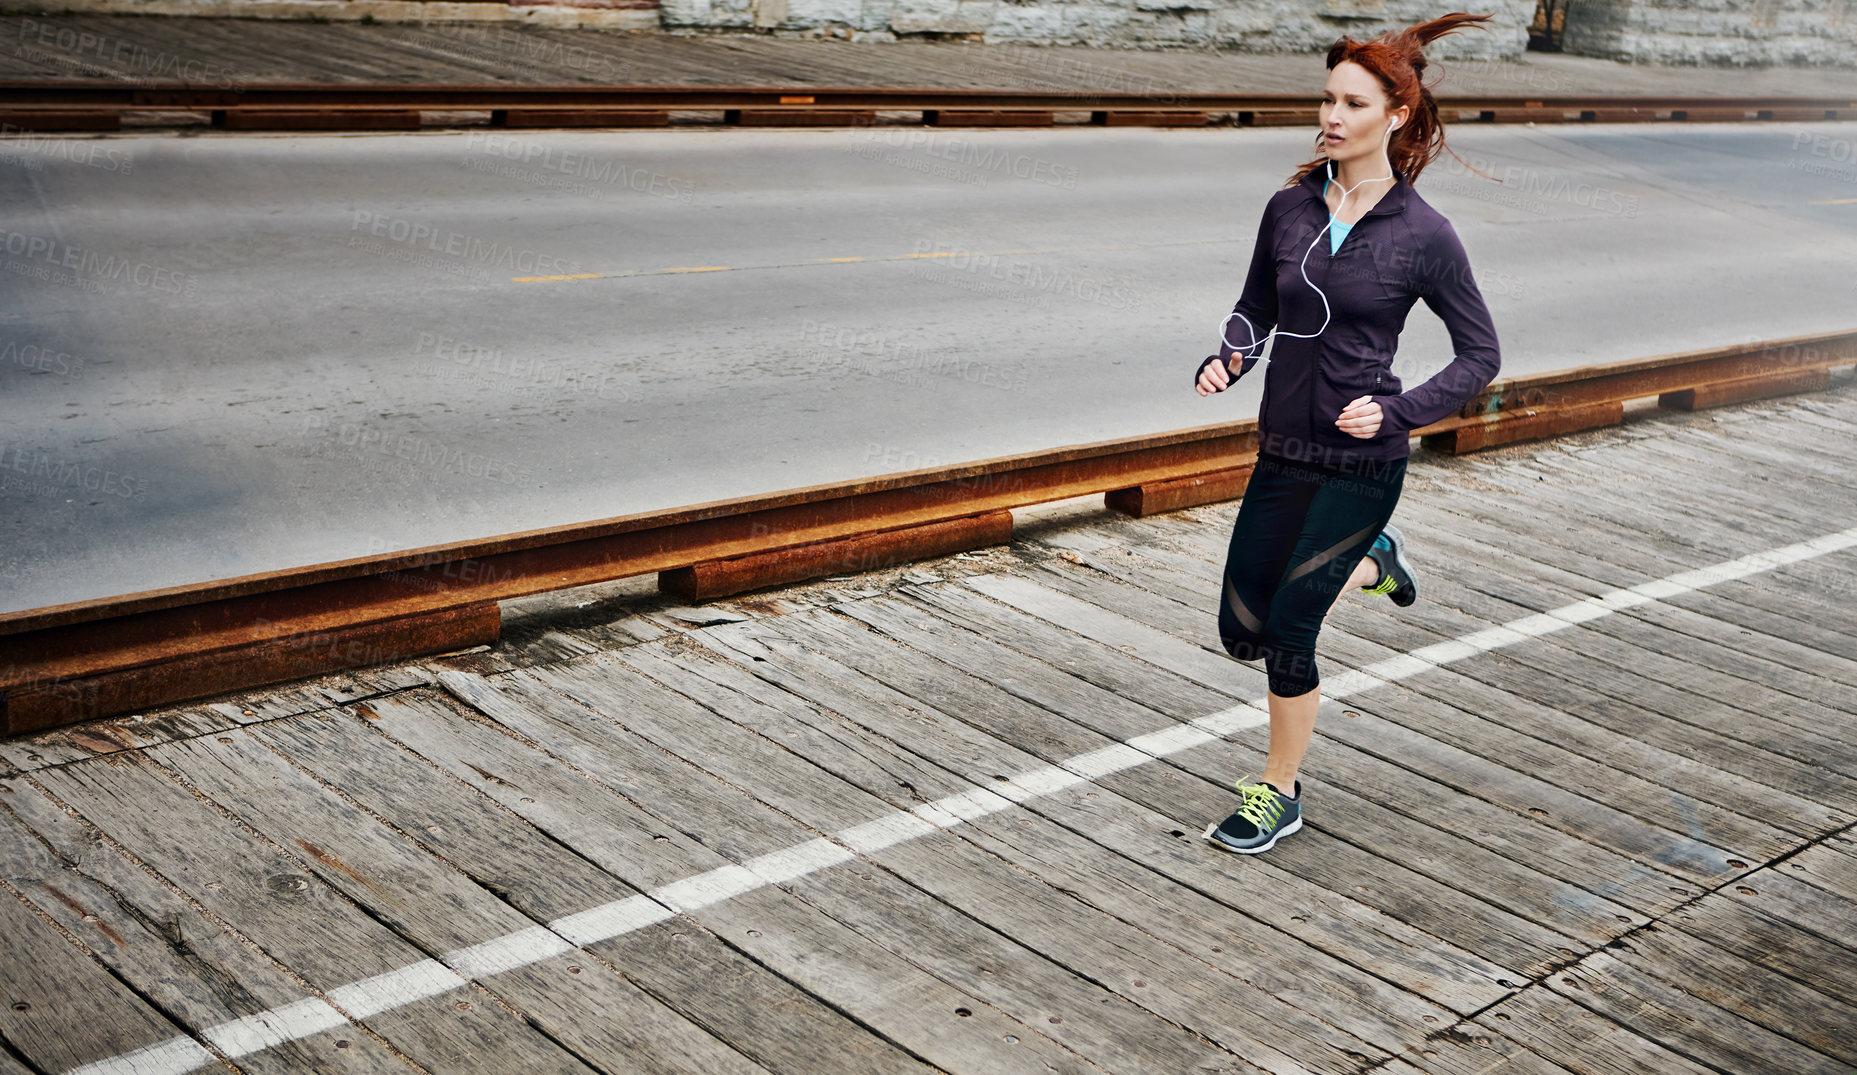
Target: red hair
x,y
1396,59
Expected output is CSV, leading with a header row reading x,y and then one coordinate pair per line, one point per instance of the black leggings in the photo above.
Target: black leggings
x,y
1301,528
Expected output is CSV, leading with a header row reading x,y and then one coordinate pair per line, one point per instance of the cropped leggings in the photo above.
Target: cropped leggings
x,y
1300,530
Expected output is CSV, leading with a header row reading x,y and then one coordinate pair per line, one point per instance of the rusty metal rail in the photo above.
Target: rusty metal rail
x,y
89,104
95,658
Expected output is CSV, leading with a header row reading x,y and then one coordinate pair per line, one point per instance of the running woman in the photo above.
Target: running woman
x,y
1333,424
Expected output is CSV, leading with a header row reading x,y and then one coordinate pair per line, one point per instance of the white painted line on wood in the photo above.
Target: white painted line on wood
x,y
508,952
175,1054
415,981
256,1033
798,861
884,832
693,893
611,920
429,978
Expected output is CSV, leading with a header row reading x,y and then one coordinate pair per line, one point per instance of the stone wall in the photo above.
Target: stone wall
x,y
1292,26
1715,32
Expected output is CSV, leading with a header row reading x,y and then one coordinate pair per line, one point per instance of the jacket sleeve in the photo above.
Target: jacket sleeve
x,y
1258,301
1451,292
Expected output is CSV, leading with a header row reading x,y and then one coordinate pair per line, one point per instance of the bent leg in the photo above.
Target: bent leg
x,y
1344,517
1264,535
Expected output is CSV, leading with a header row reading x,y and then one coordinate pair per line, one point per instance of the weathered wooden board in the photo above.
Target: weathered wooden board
x,y
1055,691
733,756
1638,839
161,945
62,1010
831,962
1332,923
1675,757
1783,895
1662,1013
1831,866
1343,996
1750,990
1580,666
285,909
1403,830
1581,1040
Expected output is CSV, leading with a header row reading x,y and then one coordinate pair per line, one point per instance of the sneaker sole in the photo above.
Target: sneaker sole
x,y
1294,826
1399,557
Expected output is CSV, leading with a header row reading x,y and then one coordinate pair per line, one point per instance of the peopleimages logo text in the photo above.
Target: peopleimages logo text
x,y
472,248
94,266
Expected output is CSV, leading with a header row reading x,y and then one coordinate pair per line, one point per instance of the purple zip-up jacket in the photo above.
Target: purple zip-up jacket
x,y
1402,250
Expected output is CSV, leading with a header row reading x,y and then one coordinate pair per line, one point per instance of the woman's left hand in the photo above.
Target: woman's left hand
x,y
1361,418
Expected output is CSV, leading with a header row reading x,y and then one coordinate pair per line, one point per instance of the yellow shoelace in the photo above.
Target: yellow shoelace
x,y
1262,806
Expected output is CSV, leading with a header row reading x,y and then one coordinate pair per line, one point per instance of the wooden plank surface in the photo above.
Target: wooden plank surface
x,y
61,1009
945,817
161,945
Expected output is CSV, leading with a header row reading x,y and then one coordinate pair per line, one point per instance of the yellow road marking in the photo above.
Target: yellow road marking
x,y
1837,201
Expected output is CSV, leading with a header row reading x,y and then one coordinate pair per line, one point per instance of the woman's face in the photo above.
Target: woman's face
x,y
1353,112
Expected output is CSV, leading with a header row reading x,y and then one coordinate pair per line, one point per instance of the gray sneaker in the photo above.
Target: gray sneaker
x,y
1265,816
1396,581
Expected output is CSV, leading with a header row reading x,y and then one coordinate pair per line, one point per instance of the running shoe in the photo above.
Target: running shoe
x,y
1389,551
1265,816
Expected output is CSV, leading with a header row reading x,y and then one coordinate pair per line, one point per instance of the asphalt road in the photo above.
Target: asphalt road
x,y
222,354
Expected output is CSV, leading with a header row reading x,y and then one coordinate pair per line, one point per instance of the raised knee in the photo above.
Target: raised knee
x,y
1292,674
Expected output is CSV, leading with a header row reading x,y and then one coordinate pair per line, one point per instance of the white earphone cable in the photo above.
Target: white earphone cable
x,y
1303,267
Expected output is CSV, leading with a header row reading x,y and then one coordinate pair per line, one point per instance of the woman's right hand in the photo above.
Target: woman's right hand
x,y
1215,376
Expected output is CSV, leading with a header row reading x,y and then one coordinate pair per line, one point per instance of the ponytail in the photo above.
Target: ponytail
x,y
1397,59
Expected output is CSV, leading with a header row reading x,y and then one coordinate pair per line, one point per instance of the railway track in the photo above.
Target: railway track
x,y
94,105
62,664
